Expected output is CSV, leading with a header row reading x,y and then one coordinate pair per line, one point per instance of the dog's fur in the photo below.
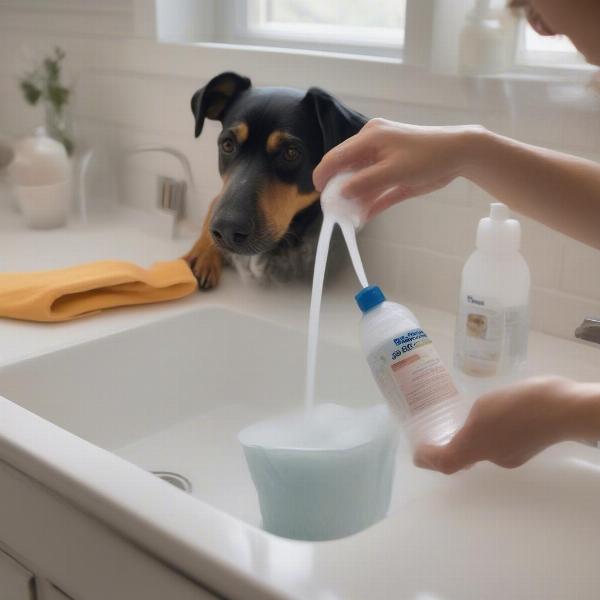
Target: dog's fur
x,y
267,216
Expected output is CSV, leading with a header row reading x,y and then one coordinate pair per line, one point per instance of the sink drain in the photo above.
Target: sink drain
x,y
179,481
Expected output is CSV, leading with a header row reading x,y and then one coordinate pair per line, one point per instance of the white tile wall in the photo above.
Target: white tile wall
x,y
580,271
543,249
412,274
416,250
428,222
558,312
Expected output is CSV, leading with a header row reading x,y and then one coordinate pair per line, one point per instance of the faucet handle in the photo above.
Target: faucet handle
x,y
589,330
171,195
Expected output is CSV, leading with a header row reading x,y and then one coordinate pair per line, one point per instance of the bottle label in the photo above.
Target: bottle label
x,y
490,338
414,371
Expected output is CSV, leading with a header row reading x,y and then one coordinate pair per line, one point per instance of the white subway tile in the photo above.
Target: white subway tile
x,y
542,248
536,126
558,313
17,118
383,262
580,272
155,103
413,274
430,278
580,129
427,223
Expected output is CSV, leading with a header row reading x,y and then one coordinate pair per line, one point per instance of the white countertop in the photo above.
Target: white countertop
x,y
114,236
119,235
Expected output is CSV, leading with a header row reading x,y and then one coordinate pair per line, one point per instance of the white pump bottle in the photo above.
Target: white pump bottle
x,y
493,315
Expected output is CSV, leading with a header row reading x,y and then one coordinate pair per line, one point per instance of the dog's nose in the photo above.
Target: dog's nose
x,y
231,232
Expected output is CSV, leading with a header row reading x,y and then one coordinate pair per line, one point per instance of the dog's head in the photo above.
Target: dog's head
x,y
271,140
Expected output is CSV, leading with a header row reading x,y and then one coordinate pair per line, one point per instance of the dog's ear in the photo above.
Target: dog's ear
x,y
336,120
211,101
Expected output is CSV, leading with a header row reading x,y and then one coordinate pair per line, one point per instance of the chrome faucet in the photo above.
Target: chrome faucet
x,y
168,183
168,218
589,330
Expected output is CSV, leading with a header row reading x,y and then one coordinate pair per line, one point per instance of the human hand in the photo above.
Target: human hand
x,y
394,161
510,425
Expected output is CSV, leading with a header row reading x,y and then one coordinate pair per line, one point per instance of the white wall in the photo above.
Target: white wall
x,y
132,91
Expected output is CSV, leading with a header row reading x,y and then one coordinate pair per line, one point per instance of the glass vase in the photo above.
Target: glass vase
x,y
59,125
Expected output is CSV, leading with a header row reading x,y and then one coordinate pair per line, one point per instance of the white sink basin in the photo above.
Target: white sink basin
x,y
172,395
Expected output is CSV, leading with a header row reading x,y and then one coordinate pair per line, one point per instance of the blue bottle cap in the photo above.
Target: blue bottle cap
x,y
369,297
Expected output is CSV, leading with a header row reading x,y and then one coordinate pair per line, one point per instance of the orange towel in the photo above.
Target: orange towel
x,y
64,294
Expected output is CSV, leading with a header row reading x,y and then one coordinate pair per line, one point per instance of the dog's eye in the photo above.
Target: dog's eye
x,y
291,153
227,146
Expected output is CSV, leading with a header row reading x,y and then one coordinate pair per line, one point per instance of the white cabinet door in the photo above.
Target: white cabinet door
x,y
16,582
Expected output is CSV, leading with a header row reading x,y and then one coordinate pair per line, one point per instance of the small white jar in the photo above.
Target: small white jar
x,y
41,172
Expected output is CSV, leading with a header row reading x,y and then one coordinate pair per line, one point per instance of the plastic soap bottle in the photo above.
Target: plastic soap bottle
x,y
493,314
408,370
485,41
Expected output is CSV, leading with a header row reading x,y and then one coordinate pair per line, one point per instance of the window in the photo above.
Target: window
x,y
423,33
373,27
535,49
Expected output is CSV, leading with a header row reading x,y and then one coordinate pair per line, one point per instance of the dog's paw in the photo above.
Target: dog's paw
x,y
206,267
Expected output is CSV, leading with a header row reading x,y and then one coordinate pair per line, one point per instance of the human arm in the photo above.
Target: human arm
x,y
512,424
396,161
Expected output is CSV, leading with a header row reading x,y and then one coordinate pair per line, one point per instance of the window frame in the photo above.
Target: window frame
x,y
542,60
431,40
239,23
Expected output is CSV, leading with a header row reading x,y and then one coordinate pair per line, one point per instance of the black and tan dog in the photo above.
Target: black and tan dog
x,y
266,218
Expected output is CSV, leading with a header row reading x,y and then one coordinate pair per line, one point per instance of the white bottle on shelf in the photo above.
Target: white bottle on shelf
x,y
486,41
492,325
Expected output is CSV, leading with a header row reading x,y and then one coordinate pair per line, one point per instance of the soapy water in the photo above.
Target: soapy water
x,y
323,476
345,213
328,427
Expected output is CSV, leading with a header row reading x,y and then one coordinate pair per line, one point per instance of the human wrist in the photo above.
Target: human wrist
x,y
583,421
477,150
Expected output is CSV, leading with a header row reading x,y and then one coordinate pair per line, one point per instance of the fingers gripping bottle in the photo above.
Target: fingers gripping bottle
x,y
408,369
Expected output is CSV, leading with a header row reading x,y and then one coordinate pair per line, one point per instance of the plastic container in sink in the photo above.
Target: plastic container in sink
x,y
325,475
